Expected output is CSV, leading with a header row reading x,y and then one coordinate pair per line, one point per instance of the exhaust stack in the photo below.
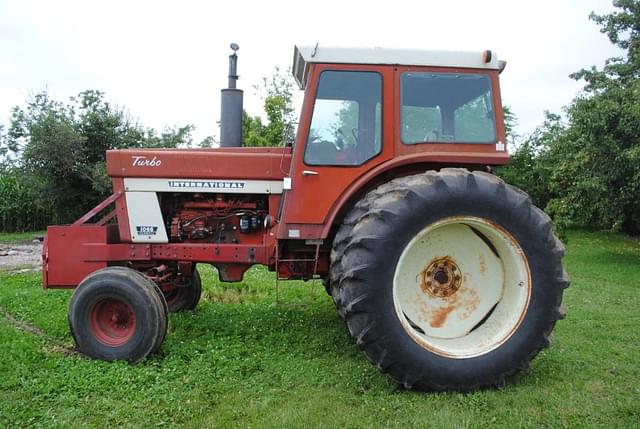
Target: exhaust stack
x,y
231,108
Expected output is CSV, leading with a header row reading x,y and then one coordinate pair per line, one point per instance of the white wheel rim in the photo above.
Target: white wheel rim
x,y
461,287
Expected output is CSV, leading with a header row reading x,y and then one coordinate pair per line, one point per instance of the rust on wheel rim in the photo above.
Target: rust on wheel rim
x,y
112,322
441,278
461,287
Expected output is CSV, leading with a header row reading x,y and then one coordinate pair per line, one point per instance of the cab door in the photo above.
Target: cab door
x,y
345,130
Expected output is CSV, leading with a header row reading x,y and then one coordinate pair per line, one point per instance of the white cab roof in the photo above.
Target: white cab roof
x,y
304,55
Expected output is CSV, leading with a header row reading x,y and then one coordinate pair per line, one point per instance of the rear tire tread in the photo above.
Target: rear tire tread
x,y
347,285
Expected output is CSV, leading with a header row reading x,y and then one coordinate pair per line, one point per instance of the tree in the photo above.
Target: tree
x,y
278,105
207,142
623,29
57,151
277,93
510,124
587,172
47,144
4,161
253,131
531,165
602,141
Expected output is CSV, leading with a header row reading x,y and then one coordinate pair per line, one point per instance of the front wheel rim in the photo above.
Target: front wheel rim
x,y
112,322
461,287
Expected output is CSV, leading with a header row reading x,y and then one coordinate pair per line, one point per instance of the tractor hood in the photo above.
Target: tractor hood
x,y
218,163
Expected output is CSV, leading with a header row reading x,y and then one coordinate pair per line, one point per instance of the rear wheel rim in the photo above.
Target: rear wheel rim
x,y
112,321
461,287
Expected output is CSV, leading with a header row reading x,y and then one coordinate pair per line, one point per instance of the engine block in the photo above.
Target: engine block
x,y
219,218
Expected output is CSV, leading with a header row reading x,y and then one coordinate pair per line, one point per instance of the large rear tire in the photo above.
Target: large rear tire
x,y
342,238
449,280
117,314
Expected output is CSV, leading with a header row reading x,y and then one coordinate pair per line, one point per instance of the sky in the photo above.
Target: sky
x,y
166,61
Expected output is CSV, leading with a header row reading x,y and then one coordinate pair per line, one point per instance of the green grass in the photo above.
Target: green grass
x,y
19,237
243,361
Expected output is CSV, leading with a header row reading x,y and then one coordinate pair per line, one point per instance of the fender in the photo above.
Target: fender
x,y
404,166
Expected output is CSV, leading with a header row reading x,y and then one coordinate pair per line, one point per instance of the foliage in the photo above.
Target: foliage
x,y
622,27
597,179
345,128
241,360
3,148
587,171
21,209
277,93
57,151
530,168
278,105
207,142
253,131
510,124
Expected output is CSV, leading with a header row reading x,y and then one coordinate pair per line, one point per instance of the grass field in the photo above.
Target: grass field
x,y
243,361
20,237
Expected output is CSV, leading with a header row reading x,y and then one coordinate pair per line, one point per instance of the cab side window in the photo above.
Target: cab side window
x,y
446,108
347,119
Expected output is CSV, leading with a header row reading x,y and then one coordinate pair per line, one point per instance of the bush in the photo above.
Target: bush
x,y
54,157
22,207
587,172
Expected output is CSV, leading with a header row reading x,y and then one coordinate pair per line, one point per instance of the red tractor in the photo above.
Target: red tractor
x,y
447,277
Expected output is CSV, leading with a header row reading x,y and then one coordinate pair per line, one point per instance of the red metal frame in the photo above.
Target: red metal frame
x,y
97,209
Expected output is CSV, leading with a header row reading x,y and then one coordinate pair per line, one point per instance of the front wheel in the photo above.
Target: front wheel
x,y
184,297
451,280
117,314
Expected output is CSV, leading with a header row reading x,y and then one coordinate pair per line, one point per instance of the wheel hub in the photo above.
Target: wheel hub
x,y
441,278
112,321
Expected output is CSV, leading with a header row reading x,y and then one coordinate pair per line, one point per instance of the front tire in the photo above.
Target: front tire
x,y
117,314
450,280
184,297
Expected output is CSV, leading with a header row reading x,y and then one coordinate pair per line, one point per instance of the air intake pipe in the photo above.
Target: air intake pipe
x,y
231,108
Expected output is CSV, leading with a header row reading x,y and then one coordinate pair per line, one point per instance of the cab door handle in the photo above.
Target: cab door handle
x,y
309,173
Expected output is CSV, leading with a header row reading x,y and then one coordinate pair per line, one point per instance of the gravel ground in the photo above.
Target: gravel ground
x,y
20,257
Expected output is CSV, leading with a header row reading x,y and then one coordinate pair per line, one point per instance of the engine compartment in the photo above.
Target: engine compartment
x,y
214,218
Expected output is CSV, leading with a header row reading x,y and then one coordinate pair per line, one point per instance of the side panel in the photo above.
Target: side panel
x,y
145,218
64,262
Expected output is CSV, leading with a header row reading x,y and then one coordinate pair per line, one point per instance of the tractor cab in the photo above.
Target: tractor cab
x,y
443,97
370,112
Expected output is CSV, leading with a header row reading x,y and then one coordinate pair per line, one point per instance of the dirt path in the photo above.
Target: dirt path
x,y
20,257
